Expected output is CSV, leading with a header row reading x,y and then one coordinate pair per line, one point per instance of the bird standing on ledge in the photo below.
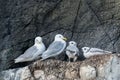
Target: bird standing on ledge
x,y
55,48
33,52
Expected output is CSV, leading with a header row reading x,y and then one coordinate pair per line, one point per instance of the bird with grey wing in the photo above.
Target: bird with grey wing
x,y
55,48
33,52
88,52
72,51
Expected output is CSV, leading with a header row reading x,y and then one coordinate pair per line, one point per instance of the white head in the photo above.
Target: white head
x,y
38,40
85,49
73,43
60,37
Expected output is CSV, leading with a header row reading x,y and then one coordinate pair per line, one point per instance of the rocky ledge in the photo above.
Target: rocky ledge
x,y
102,67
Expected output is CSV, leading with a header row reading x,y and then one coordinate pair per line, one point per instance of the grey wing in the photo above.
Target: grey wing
x,y
29,52
97,50
77,51
54,48
73,49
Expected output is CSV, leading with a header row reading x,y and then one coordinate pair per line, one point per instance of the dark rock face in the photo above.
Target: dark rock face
x,y
93,23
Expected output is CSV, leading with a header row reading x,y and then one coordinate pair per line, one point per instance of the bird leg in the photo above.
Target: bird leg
x,y
75,59
68,61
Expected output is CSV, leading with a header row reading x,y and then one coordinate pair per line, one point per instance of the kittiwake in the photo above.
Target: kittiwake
x,y
72,51
32,53
88,52
55,48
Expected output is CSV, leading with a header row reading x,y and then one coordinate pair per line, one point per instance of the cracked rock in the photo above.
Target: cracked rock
x,y
93,23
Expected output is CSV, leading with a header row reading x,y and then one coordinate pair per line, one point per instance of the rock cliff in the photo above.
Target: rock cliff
x,y
94,23
102,67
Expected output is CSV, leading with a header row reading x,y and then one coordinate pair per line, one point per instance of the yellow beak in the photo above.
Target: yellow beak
x,y
65,39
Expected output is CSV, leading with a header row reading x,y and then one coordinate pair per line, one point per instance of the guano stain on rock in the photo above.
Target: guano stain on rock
x,y
94,68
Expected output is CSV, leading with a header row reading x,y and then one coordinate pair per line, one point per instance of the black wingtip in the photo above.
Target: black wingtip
x,y
114,52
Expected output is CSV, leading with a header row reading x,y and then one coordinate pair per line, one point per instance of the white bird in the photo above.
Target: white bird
x,y
88,52
55,48
33,52
72,51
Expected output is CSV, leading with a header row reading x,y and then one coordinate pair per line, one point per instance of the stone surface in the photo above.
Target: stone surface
x,y
39,74
71,74
87,73
102,67
94,23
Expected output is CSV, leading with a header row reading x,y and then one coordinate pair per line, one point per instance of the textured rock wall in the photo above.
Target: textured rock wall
x,y
104,67
93,23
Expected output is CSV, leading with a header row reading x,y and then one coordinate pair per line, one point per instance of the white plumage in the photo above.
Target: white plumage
x,y
88,52
33,52
55,48
72,51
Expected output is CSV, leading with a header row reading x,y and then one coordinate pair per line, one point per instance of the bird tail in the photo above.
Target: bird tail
x,y
18,60
44,55
108,52
42,59
114,52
